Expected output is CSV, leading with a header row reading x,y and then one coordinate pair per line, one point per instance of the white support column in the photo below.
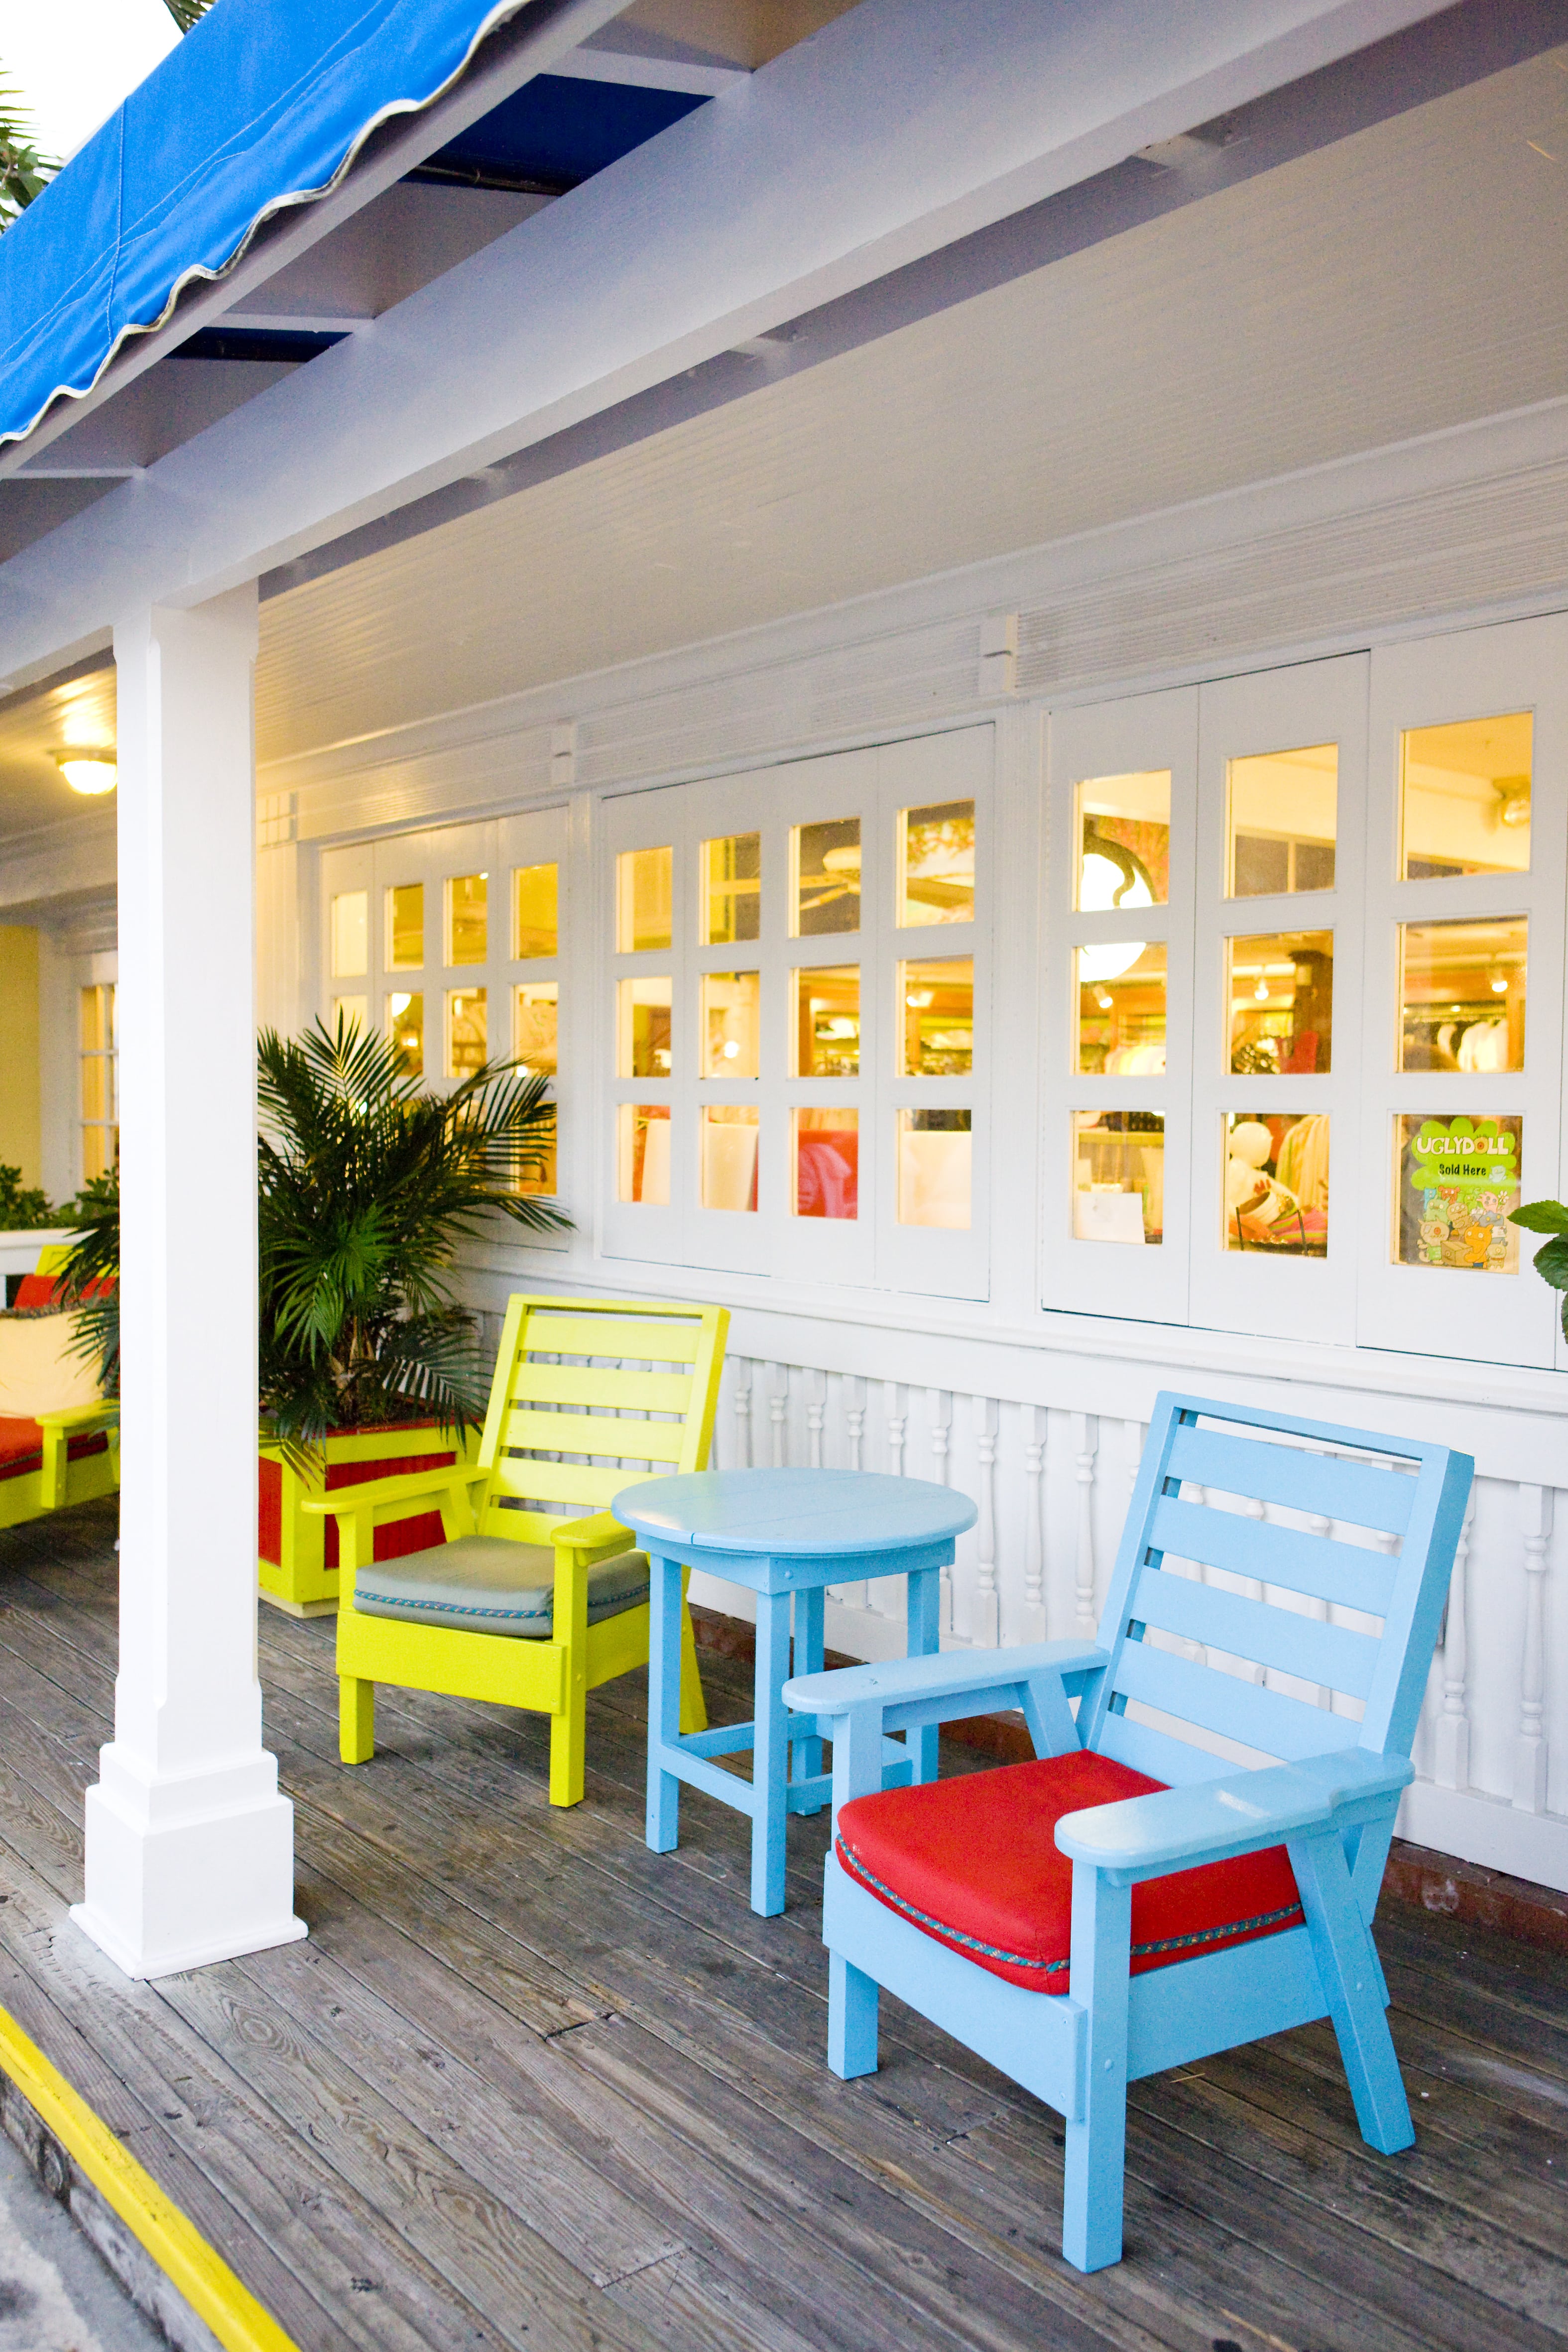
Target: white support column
x,y
190,1847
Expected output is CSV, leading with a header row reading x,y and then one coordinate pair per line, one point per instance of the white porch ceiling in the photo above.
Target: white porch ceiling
x,y
1407,279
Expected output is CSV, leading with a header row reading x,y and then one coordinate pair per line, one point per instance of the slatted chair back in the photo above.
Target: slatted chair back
x,y
1250,1536
589,1395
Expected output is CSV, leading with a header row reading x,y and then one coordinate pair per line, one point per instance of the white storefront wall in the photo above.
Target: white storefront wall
x,y
1016,1358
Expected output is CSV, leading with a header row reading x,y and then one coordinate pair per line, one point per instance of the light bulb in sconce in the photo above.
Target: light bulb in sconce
x,y
918,998
1261,991
1104,1001
1499,987
89,772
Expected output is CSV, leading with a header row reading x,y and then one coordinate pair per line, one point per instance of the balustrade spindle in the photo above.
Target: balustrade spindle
x,y
986,1628
1530,1751
1317,1524
1085,1445
884,1595
1134,1433
815,1411
778,1414
1035,1421
939,1408
1451,1744
741,1400
854,1418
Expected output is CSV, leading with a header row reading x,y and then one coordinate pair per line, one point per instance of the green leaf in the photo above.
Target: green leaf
x,y
1542,1217
1552,1263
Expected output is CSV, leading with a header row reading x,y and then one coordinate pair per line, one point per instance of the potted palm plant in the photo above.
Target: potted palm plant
x,y
368,1365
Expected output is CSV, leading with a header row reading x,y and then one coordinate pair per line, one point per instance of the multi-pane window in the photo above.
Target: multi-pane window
x,y
98,1065
450,939
1305,992
794,1016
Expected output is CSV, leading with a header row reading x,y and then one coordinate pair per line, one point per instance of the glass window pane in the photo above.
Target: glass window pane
x,y
351,934
353,1009
1279,990
536,896
1119,1176
728,1156
1462,995
731,902
825,1029
405,1027
642,1153
645,884
1463,797
827,1145
538,1170
467,1020
94,1031
937,1004
405,927
1282,820
467,922
1456,1184
1122,1009
642,1026
1124,830
936,864
534,1024
934,1166
95,1102
100,1150
732,1022
1277,1182
826,896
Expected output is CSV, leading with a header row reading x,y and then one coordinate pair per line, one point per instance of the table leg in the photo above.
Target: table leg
x,y
770,1758
663,1702
805,1755
923,1605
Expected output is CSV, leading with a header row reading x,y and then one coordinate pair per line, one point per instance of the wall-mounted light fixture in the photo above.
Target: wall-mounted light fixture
x,y
86,772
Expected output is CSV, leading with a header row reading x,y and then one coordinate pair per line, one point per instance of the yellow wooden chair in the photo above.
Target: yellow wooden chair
x,y
522,1604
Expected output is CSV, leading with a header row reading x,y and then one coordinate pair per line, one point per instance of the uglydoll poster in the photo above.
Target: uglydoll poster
x,y
1458,1185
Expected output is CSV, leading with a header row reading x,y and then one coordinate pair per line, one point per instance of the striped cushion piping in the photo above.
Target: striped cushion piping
x,y
1059,1968
523,1616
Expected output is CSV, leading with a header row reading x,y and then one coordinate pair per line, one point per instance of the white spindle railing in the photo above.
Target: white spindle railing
x,y
1051,1486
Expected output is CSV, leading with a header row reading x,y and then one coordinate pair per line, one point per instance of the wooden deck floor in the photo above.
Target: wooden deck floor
x,y
528,2085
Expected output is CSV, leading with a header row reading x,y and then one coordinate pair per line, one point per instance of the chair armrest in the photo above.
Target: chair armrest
x,y
1178,1828
957,1683
343,1502
858,1706
77,1417
601,1536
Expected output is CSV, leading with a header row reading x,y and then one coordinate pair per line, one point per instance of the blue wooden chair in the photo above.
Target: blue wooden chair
x,y
1130,1900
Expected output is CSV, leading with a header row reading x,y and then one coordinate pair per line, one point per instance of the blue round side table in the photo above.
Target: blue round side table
x,y
787,1534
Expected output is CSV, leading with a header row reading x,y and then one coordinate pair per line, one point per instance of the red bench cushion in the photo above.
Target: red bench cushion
x,y
22,1445
974,1861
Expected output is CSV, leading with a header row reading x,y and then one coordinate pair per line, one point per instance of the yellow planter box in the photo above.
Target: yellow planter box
x,y
297,1554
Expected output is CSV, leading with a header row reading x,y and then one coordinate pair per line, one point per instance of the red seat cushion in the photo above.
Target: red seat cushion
x,y
22,1445
974,1861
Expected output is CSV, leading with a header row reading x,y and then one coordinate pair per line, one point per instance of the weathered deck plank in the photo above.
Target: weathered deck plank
x,y
528,2085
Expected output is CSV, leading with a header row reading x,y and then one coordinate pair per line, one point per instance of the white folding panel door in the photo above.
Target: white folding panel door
x,y
1116,1141
798,1018
1276,996
1463,1020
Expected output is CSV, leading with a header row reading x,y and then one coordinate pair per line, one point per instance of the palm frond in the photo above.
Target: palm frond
x,y
187,13
25,171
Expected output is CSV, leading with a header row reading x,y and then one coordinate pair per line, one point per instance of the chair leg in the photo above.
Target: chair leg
x,y
1097,2140
356,1719
693,1705
569,1747
1354,1987
852,2004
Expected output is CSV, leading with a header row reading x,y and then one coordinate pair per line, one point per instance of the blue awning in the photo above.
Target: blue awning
x,y
264,104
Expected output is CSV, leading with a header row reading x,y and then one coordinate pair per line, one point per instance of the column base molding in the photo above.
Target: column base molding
x,y
161,1899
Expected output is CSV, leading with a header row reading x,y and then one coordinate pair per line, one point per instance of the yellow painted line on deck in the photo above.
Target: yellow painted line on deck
x,y
178,2248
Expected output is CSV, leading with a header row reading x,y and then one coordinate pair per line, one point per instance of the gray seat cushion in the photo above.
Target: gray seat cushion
x,y
484,1584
